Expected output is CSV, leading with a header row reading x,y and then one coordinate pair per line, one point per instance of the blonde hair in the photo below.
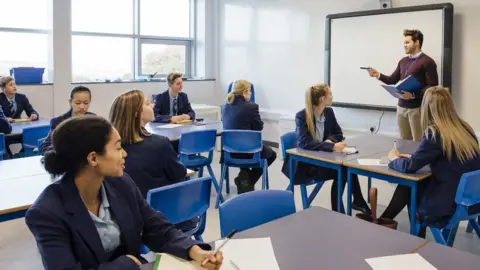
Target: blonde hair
x,y
125,116
312,98
239,88
439,117
171,77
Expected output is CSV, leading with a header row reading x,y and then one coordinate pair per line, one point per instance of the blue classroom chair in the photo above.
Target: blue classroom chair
x,y
241,142
252,89
254,208
183,201
192,144
2,145
31,137
468,194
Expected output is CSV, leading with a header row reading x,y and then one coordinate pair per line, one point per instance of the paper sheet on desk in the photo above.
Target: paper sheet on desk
x,y
400,262
370,162
249,254
169,126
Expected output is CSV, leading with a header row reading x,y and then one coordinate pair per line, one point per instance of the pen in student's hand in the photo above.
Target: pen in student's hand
x,y
230,235
395,146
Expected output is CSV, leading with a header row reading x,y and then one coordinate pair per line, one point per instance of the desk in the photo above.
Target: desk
x,y
173,134
17,128
21,167
387,174
366,146
317,238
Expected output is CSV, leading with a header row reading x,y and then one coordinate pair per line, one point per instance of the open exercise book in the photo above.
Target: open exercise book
x,y
400,262
409,84
238,254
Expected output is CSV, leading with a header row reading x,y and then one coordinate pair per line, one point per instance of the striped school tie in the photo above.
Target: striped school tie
x,y
11,107
174,106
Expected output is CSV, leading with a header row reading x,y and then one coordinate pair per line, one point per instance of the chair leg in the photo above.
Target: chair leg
x,y
264,176
215,183
469,227
227,181
475,226
437,234
267,180
219,193
451,236
369,187
303,191
200,172
314,193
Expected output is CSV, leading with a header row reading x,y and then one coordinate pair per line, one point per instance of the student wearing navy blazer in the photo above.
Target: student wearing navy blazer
x,y
5,126
240,113
13,103
80,99
95,217
317,129
173,105
450,147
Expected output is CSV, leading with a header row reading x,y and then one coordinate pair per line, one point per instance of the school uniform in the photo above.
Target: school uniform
x,y
245,115
70,237
5,126
326,128
54,122
19,103
437,195
167,106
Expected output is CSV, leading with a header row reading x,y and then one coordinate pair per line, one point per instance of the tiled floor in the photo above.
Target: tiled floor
x,y
18,249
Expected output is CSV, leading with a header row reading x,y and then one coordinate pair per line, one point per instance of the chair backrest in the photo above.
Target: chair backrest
x,y
288,141
31,135
241,141
2,145
198,141
468,191
252,89
254,208
182,201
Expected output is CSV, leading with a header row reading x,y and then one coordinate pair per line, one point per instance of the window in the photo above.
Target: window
x,y
101,58
130,39
24,39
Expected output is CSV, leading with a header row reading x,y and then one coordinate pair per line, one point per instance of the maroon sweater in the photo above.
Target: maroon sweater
x,y
423,68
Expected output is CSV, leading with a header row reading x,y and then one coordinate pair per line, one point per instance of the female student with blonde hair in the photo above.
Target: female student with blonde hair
x,y
450,147
151,160
317,129
240,113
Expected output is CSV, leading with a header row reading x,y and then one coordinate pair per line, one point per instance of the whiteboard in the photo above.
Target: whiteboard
x,y
377,41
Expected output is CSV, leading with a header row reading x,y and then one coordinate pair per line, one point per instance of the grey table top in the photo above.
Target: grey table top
x,y
174,133
17,128
321,239
366,145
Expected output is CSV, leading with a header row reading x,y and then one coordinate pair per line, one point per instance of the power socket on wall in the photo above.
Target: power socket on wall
x,y
371,128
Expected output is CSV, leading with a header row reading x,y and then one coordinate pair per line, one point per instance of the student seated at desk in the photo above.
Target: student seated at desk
x,y
450,147
14,104
240,113
172,105
317,129
5,126
94,216
80,98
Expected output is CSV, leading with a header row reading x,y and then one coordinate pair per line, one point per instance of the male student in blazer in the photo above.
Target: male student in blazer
x,y
172,105
424,69
14,103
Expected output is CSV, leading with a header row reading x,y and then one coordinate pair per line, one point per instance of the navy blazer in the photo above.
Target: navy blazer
x,y
68,239
241,115
5,126
162,107
153,163
54,122
438,201
332,131
22,105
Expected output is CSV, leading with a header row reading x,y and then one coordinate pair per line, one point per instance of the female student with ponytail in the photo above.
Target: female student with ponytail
x,y
94,216
240,113
450,147
317,129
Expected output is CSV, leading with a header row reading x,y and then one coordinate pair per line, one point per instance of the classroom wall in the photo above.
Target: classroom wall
x,y
278,45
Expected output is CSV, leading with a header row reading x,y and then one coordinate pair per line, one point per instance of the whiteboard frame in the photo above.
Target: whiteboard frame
x,y
446,67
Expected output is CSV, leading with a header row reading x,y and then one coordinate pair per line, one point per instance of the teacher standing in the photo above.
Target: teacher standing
x,y
424,69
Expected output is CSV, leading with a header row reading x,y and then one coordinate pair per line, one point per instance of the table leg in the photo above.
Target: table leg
x,y
413,208
349,193
291,172
339,190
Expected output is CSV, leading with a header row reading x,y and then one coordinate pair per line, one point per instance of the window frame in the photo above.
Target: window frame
x,y
139,40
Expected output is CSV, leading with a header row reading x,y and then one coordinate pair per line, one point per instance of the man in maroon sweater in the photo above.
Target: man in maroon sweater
x,y
424,69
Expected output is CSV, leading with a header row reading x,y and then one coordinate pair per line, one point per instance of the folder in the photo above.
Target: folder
x,y
409,84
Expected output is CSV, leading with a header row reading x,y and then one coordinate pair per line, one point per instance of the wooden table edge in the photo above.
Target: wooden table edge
x,y
14,209
315,158
372,169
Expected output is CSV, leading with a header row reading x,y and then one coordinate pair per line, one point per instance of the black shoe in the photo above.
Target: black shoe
x,y
243,182
362,207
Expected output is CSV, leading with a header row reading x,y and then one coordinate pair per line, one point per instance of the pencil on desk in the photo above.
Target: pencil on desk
x,y
415,250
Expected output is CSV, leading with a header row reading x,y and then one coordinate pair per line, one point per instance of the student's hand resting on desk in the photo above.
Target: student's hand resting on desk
x,y
199,255
33,117
406,95
176,118
338,147
186,117
10,120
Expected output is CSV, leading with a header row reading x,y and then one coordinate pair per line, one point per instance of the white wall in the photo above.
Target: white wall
x,y
278,45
